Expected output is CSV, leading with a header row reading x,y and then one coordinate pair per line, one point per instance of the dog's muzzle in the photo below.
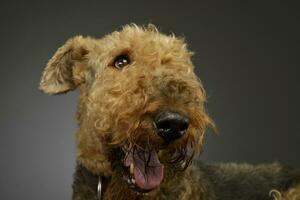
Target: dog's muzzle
x,y
171,125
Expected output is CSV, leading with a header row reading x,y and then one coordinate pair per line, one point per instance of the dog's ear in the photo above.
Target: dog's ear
x,y
65,70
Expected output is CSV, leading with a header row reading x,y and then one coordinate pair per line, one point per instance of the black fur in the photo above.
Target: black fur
x,y
246,182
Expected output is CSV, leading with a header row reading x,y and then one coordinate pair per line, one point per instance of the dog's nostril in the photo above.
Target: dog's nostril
x,y
171,125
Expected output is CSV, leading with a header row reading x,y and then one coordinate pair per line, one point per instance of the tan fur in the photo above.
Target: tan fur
x,y
116,106
64,70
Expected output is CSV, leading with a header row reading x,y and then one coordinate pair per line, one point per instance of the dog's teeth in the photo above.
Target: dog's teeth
x,y
131,168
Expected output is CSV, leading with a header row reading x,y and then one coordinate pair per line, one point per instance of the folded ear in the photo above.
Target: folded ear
x,y
65,70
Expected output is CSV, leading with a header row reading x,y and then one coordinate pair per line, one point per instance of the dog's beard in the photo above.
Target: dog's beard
x,y
181,155
142,167
140,157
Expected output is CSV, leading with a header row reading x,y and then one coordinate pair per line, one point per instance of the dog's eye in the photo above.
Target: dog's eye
x,y
121,61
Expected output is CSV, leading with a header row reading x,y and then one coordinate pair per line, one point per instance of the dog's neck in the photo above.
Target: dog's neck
x,y
85,186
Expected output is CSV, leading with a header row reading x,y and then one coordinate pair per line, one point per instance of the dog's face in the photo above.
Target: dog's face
x,y
141,108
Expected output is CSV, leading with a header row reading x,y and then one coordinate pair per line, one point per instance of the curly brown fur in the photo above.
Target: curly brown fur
x,y
115,116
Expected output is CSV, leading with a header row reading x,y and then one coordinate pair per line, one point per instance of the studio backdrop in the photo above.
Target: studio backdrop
x,y
246,55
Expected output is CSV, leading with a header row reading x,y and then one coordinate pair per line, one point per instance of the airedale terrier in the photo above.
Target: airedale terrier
x,y
142,119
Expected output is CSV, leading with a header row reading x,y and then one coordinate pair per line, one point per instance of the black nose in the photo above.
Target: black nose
x,y
171,125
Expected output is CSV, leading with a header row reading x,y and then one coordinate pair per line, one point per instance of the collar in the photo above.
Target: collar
x,y
97,183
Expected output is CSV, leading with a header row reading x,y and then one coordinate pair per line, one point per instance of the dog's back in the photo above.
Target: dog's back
x,y
233,181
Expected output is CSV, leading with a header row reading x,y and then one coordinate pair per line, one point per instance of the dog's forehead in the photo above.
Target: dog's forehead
x,y
143,39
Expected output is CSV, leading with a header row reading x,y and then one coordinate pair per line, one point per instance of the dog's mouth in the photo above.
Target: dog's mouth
x,y
143,171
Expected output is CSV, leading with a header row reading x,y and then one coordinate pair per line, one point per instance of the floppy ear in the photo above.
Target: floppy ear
x,y
65,70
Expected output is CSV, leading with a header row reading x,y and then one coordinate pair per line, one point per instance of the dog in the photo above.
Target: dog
x,y
142,118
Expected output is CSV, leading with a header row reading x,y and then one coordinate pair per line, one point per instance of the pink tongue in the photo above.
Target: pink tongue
x,y
148,171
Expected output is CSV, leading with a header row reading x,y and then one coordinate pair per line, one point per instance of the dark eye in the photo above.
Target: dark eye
x,y
121,61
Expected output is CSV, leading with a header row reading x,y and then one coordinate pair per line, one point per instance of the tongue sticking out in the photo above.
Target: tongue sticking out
x,y
148,171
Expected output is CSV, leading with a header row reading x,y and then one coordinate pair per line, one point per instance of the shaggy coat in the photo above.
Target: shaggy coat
x,y
125,79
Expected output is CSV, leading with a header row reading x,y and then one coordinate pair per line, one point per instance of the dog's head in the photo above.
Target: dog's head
x,y
141,108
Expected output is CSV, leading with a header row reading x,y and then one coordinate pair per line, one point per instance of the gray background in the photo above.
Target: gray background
x,y
246,55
